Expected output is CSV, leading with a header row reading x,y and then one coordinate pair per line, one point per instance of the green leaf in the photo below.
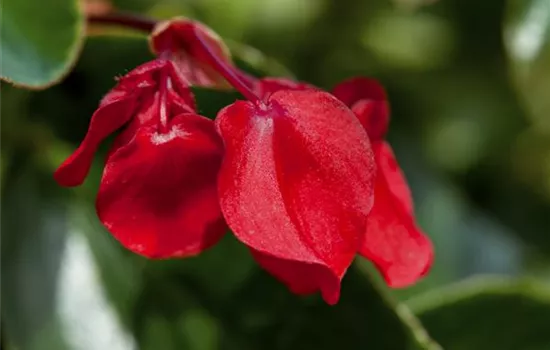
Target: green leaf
x,y
487,313
39,41
527,38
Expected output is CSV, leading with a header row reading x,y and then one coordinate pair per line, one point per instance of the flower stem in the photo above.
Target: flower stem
x,y
122,19
227,71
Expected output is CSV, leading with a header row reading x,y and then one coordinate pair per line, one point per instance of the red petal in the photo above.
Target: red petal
x,y
296,183
158,193
268,86
105,121
393,242
135,91
397,184
177,37
367,98
360,88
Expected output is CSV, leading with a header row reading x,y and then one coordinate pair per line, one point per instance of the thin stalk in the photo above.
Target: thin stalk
x,y
228,72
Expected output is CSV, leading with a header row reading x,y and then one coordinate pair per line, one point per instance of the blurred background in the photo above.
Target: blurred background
x,y
469,85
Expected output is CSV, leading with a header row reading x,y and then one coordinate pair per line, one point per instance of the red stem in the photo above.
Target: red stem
x,y
227,71
128,20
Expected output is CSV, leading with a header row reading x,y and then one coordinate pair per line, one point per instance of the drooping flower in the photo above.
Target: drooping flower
x,y
393,241
296,182
158,193
296,186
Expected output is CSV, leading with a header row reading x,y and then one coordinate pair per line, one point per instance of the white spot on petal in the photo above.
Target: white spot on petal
x,y
158,138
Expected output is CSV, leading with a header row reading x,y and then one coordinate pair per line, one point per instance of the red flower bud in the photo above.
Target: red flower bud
x,y
296,186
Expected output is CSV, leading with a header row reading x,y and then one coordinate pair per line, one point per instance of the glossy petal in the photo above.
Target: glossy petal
x,y
158,193
367,98
268,86
393,242
177,38
133,93
296,184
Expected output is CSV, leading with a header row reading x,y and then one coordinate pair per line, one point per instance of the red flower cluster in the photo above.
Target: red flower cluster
x,y
301,176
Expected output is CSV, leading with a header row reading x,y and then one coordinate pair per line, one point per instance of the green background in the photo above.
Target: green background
x,y
469,86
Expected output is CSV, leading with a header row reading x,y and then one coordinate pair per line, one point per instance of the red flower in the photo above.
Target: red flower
x,y
297,180
158,192
393,242
296,186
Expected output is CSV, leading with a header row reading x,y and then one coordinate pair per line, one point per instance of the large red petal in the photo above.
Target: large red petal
x,y
296,183
158,193
367,98
393,242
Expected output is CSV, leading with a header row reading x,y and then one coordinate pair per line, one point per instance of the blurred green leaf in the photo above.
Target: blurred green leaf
x,y
527,38
255,62
412,4
49,277
39,41
487,313
34,232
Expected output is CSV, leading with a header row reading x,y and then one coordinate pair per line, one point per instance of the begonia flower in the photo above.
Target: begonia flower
x,y
158,193
393,242
296,186
296,182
